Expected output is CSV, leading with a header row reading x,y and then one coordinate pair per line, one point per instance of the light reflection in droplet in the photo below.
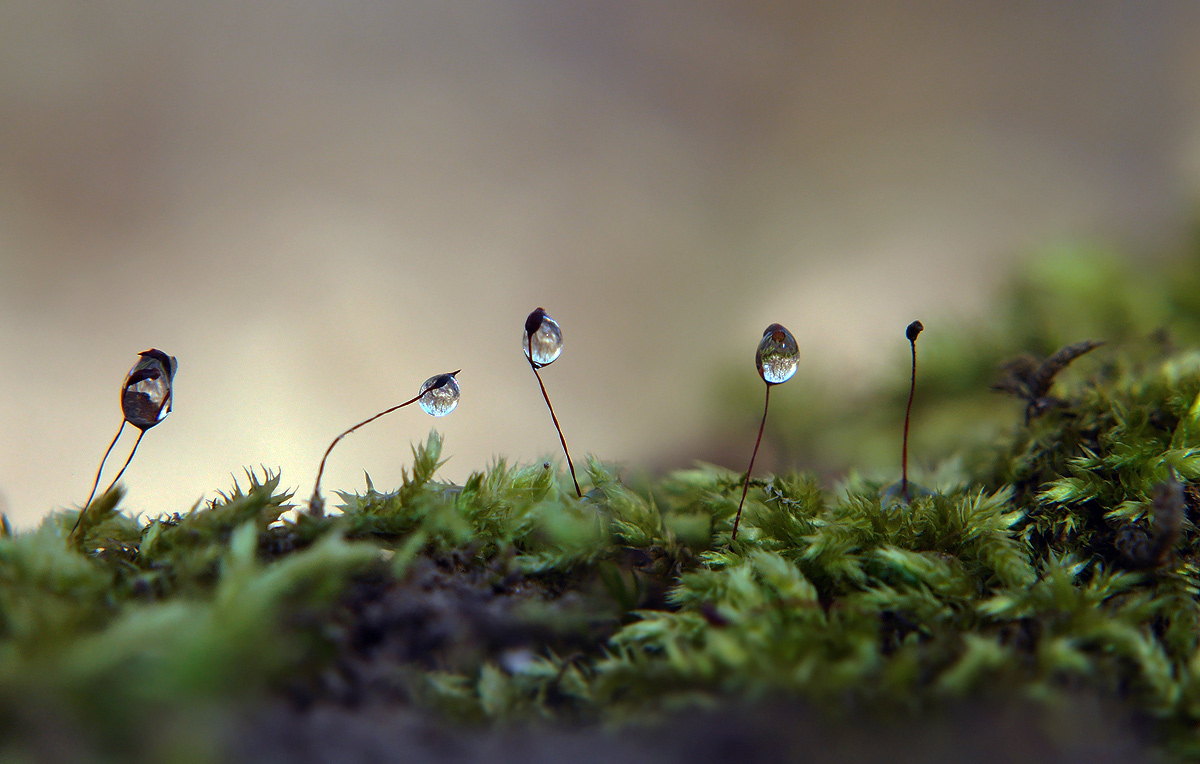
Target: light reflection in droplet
x,y
778,355
439,395
546,343
146,394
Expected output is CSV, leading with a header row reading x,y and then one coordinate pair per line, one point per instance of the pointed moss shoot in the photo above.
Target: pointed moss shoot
x,y
542,344
777,358
438,397
903,490
145,401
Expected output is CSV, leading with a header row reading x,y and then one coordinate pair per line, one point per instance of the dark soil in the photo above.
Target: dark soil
x,y
453,613
773,732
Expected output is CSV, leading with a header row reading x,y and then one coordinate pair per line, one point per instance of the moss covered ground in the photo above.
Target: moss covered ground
x,y
1051,567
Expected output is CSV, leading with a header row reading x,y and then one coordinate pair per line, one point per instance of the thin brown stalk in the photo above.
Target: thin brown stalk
x,y
136,443
316,497
550,406
96,484
750,469
912,389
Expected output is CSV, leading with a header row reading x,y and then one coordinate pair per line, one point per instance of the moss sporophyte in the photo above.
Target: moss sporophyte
x,y
543,343
145,401
438,396
903,491
777,357
1057,559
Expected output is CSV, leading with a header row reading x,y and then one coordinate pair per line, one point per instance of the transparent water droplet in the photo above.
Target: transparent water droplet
x,y
546,343
439,395
778,355
146,394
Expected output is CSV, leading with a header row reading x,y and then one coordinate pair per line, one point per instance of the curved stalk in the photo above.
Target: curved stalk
x,y
315,502
96,484
550,406
750,469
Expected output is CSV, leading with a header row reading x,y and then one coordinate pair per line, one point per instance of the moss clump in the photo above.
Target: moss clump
x,y
509,598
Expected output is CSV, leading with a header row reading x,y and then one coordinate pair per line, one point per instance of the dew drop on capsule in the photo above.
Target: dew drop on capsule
x,y
542,341
778,355
439,395
146,394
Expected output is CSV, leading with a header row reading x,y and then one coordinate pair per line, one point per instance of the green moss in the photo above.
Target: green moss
x,y
509,598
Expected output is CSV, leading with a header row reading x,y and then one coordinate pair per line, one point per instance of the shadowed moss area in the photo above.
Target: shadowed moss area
x,y
1051,560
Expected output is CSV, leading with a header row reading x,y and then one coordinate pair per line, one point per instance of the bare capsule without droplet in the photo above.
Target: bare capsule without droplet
x,y
146,394
778,355
542,341
439,394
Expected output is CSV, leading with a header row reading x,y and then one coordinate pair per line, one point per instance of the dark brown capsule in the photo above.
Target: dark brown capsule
x,y
534,321
146,394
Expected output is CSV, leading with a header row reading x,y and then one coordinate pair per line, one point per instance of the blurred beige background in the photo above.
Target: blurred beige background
x,y
317,205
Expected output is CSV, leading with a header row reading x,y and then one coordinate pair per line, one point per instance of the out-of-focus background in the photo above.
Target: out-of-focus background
x,y
318,205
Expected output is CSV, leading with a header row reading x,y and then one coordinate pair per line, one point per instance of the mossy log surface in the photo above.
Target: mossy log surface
x,y
1044,590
